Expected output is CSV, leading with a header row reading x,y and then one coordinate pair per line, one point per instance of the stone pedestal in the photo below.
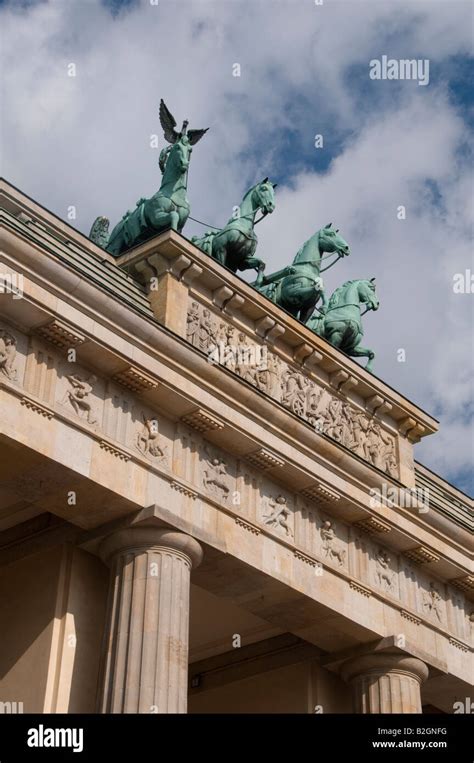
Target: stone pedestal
x,y
145,662
385,682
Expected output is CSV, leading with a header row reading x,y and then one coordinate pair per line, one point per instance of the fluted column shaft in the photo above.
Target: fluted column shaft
x,y
385,682
145,660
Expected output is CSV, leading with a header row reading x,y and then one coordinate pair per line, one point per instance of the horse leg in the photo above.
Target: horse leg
x,y
253,262
335,337
298,298
174,220
218,252
260,275
363,352
161,219
306,312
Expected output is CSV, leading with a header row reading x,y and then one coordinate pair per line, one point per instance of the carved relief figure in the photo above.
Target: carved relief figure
x,y
245,357
331,547
8,355
313,400
78,396
294,390
148,440
214,476
225,340
278,516
372,444
200,329
205,332
331,420
380,448
432,601
266,375
347,438
271,375
383,571
389,460
360,425
192,327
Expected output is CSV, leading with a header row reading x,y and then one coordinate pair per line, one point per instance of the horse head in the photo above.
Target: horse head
x,y
179,156
331,241
367,295
263,196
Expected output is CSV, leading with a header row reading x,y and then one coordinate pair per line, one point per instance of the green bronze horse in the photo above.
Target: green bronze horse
x,y
168,208
299,287
341,322
234,245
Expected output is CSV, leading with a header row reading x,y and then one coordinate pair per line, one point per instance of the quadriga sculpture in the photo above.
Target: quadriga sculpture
x,y
341,322
168,207
299,287
234,245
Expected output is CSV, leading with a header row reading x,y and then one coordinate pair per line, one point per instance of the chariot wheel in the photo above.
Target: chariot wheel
x,y
298,407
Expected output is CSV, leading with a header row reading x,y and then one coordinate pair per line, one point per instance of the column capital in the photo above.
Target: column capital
x,y
381,663
149,538
385,682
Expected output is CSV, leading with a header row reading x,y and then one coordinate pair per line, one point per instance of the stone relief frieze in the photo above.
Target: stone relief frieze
x,y
433,605
78,395
332,548
215,472
215,478
79,392
322,409
385,576
208,467
200,328
8,356
149,441
277,514
296,392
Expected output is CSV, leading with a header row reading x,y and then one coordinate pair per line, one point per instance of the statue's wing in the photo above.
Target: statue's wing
x,y
195,135
168,123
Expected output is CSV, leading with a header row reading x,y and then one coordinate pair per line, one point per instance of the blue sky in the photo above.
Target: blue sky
x,y
85,141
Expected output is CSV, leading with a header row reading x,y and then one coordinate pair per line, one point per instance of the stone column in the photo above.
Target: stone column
x,y
145,660
385,682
